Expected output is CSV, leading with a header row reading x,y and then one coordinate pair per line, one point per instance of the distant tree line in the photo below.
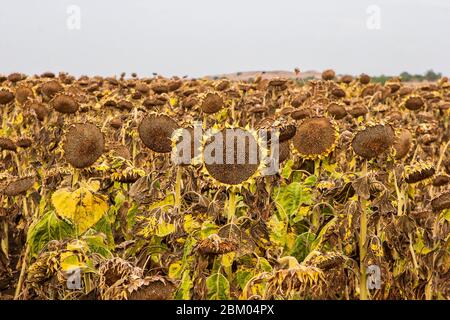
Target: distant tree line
x,y
430,75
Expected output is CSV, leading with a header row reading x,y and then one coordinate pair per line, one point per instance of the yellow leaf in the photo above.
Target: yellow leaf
x,y
164,204
165,229
175,270
190,224
81,207
70,261
227,259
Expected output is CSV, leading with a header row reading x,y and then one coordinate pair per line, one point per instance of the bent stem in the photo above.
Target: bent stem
x,y
362,243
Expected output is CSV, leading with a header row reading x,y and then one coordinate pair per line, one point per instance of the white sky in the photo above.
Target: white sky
x,y
202,37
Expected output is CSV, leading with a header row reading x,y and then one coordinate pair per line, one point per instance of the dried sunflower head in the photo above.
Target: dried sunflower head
x,y
328,74
19,186
40,110
413,102
211,102
215,245
315,138
84,144
364,78
328,260
51,88
402,144
156,132
64,103
7,144
418,171
336,110
232,156
441,180
6,96
23,94
441,202
373,141
285,128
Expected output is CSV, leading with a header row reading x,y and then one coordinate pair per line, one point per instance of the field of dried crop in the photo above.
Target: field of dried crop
x,y
94,207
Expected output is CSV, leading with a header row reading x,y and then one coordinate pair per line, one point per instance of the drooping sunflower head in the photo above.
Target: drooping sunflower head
x,y
373,141
211,102
6,96
23,93
19,186
364,78
418,172
286,128
216,245
413,102
7,144
233,156
328,74
402,144
315,138
84,144
336,110
51,88
65,103
156,131
441,202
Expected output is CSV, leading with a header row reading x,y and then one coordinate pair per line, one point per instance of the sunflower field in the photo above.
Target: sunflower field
x,y
94,205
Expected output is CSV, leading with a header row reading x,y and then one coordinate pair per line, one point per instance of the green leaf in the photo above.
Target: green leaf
x,y
302,246
131,216
277,233
243,276
287,169
264,265
218,287
96,243
184,291
288,198
48,227
208,228
104,226
310,181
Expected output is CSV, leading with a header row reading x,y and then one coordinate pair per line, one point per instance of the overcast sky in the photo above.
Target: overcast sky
x,y
203,37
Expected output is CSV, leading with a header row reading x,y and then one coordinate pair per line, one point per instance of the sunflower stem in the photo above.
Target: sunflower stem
x,y
362,243
75,178
178,189
316,213
22,273
231,204
400,196
4,244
